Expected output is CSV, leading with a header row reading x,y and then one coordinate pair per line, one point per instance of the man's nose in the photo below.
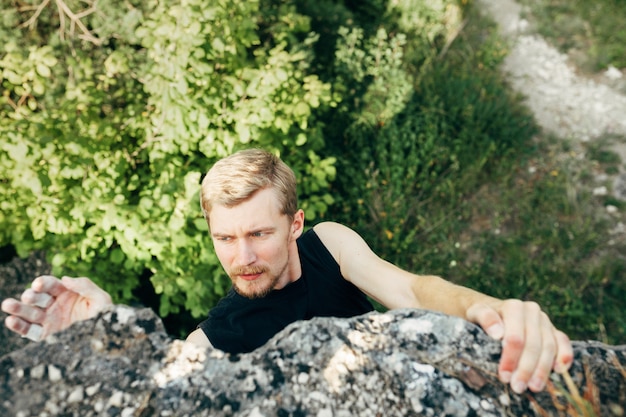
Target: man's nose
x,y
245,253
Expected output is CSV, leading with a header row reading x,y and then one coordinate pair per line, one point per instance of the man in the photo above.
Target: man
x,y
280,274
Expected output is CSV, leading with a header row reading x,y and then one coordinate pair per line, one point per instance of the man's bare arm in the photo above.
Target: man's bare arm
x,y
532,346
199,338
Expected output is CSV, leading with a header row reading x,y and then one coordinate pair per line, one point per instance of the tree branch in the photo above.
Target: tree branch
x,y
33,19
66,12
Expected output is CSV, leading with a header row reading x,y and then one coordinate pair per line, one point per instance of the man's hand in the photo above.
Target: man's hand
x,y
53,304
531,346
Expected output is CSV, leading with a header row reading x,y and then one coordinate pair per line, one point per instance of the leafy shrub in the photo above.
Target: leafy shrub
x,y
107,129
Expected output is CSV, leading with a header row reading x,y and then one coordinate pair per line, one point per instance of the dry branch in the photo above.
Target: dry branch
x,y
66,13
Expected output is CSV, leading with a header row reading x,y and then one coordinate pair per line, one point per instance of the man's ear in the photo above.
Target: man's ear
x,y
297,225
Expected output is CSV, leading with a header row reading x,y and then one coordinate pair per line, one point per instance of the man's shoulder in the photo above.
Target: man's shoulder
x,y
335,236
320,242
329,230
322,233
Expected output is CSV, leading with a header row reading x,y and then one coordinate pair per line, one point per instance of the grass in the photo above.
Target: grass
x,y
534,230
591,31
568,400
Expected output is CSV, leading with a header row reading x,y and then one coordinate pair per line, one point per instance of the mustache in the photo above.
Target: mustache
x,y
247,270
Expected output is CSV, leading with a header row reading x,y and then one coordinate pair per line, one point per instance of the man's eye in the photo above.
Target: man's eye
x,y
258,234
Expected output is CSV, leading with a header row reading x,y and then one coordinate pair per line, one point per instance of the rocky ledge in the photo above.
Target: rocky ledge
x,y
401,363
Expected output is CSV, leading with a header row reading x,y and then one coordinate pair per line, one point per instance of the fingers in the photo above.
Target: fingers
x,y
547,354
537,357
52,304
87,288
48,284
565,353
531,346
512,334
487,318
17,325
9,305
28,313
25,329
39,299
526,350
513,341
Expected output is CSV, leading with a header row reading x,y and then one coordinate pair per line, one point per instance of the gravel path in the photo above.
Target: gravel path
x,y
570,105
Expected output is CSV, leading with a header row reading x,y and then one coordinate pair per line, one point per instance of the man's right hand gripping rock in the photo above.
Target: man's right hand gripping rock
x,y
53,304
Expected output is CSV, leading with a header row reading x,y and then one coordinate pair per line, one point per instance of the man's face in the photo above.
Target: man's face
x,y
252,242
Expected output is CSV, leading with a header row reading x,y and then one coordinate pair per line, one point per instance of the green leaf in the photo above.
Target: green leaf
x,y
58,260
43,70
117,256
301,139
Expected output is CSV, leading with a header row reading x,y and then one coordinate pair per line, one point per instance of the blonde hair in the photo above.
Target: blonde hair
x,y
236,178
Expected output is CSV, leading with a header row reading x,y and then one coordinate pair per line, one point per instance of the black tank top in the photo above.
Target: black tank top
x,y
238,324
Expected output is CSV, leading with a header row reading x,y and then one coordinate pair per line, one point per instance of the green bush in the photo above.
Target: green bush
x,y
107,129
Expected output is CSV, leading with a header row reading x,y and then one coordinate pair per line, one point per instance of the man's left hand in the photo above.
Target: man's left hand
x,y
531,346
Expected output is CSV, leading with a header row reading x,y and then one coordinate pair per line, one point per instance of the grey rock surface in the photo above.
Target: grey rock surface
x,y
401,363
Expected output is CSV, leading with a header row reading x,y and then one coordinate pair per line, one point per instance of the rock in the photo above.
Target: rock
x,y
600,191
401,363
613,73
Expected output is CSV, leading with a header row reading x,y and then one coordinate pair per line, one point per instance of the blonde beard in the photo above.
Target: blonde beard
x,y
253,290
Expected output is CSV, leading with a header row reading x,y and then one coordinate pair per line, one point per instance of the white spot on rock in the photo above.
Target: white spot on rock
x,y
124,314
54,373
416,326
76,396
37,371
116,399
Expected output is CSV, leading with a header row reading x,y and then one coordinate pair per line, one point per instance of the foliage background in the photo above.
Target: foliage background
x,y
392,114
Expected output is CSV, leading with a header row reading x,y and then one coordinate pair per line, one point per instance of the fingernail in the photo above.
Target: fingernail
x,y
536,384
518,386
505,376
496,331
